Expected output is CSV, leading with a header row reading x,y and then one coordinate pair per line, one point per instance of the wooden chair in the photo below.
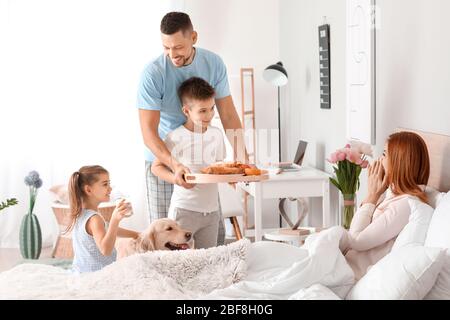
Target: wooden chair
x,y
230,202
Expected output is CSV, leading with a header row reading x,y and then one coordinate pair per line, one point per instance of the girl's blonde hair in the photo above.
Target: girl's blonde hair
x,y
86,175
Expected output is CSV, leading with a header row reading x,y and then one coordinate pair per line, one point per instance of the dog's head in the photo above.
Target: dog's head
x,y
164,234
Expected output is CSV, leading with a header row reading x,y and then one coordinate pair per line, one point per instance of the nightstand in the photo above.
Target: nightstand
x,y
306,182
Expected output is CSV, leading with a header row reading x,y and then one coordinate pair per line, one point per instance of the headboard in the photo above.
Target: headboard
x,y
439,151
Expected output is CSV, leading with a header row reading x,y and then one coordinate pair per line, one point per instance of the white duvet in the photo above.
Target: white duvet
x,y
262,270
317,270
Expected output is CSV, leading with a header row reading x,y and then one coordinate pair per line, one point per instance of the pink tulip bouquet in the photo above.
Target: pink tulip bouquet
x,y
349,162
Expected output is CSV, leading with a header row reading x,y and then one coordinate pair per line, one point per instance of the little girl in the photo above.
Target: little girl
x,y
93,240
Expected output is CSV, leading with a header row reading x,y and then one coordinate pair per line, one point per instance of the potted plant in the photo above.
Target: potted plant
x,y
9,203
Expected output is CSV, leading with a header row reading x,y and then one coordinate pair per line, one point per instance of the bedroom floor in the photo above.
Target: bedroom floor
x,y
9,257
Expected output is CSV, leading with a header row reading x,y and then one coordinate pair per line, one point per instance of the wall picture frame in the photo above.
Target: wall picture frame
x,y
325,66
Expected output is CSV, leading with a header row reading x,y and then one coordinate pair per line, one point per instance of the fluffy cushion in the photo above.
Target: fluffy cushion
x,y
404,274
439,236
415,232
153,275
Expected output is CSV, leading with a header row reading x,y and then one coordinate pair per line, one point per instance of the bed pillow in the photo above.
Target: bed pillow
x,y
434,196
439,236
441,289
438,233
415,232
405,274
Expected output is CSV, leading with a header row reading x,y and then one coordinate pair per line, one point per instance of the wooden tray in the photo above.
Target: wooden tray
x,y
217,178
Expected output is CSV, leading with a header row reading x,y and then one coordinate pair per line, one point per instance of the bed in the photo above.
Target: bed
x,y
418,266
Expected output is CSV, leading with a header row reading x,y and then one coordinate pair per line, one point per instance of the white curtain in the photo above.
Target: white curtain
x,y
69,72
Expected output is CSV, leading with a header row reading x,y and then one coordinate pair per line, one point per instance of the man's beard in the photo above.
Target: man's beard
x,y
186,60
179,61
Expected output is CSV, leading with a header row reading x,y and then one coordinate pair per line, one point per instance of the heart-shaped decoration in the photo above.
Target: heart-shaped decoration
x,y
302,209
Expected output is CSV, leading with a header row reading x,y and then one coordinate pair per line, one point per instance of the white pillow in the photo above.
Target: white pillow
x,y
439,236
441,289
439,231
434,196
405,274
415,232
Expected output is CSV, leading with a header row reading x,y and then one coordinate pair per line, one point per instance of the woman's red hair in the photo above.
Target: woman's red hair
x,y
409,164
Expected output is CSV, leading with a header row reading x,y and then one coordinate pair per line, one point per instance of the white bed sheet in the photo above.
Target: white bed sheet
x,y
280,271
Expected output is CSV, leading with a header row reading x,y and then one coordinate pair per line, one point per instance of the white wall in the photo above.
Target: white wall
x,y
48,40
412,70
69,72
244,34
299,47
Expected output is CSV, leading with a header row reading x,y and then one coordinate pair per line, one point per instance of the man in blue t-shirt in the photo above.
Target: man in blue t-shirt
x,y
160,108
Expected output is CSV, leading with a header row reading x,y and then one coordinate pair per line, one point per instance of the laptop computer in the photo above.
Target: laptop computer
x,y
298,159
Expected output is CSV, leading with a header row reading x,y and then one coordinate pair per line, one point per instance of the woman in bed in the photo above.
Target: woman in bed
x,y
401,173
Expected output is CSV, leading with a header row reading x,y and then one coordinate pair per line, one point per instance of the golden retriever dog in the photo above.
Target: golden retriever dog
x,y
162,234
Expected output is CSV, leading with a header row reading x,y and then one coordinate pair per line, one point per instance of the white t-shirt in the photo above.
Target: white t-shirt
x,y
196,151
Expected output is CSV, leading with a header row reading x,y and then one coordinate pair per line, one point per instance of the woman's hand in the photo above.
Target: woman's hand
x,y
377,182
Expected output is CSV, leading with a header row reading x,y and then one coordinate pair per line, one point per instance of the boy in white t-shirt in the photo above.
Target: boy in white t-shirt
x,y
196,144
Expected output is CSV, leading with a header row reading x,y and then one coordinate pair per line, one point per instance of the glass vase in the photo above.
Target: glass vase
x,y
348,209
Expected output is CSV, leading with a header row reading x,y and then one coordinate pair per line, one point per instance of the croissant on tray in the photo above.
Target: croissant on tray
x,y
231,168
216,169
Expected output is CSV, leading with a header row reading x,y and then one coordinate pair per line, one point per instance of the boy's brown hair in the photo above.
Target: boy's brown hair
x,y
195,89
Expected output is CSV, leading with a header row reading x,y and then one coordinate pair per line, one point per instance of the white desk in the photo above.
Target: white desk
x,y
307,182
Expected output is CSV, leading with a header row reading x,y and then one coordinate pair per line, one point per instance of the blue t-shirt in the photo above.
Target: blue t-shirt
x,y
160,81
